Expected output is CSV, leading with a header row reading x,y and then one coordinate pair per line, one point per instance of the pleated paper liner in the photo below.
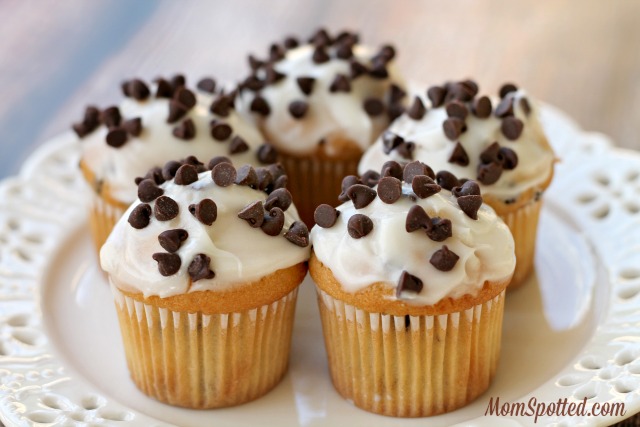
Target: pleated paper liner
x,y
203,361
411,366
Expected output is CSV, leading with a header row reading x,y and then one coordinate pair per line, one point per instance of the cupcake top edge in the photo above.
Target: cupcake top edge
x,y
199,227
428,235
497,141
330,95
160,121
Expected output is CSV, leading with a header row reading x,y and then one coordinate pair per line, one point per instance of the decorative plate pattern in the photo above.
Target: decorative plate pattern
x,y
597,188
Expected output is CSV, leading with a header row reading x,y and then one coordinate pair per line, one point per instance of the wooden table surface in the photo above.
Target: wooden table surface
x,y
56,57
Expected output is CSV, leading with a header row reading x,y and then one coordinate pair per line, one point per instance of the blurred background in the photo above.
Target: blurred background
x,y
57,57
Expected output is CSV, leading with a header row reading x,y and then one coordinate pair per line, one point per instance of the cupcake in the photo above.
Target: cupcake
x,y
204,269
411,280
154,124
321,104
498,142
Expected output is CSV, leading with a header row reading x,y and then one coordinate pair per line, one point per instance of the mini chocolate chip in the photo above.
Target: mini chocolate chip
x,y
526,107
440,229
468,188
136,89
279,198
471,86
186,174
390,141
408,283
82,129
111,117
207,84
320,38
459,91
415,168
200,268
276,52
379,70
171,240
394,111
253,213
359,226
185,97
417,109
459,156
178,81
370,178
169,169
482,107
444,259
216,161
163,89
453,128
298,234
326,216
154,174
280,182
389,189
140,216
238,145
344,51
221,106
116,137
306,84
223,174
373,107
254,63
436,95
176,111
507,88
446,180
186,130
206,211
489,173
273,222
347,182
133,126
246,175
470,204
168,264
423,186
457,109
492,154
340,83
290,42
417,219
361,195
166,208
265,180
511,128
273,76
276,170
396,93
259,105
298,109
510,158
505,107
220,130
267,154
148,191
320,55
387,52
357,69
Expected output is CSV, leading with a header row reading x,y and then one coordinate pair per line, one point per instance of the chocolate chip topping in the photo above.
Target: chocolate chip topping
x,y
148,191
468,188
186,130
392,168
417,219
440,229
171,240
396,93
357,69
370,178
511,128
320,55
164,89
253,213
444,259
482,107
306,84
170,168
510,158
206,211
373,107
361,195
390,141
267,154
489,173
378,70
457,109
220,131
298,109
246,175
273,76
347,182
507,88
207,84
505,107
254,63
340,84
408,283
453,128
526,107
260,105
416,168
185,97
90,122
216,161
436,95
359,226
176,111
446,180
298,234
276,52
133,126
186,174
423,186
470,205
136,89
291,42
459,156
224,174
492,154
111,117
417,109
116,137
389,189
273,222
200,268
140,216
221,106
238,145
168,264
279,198
321,38
326,216
344,51
166,208
265,180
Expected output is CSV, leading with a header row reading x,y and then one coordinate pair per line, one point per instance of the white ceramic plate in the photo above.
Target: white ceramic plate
x,y
573,332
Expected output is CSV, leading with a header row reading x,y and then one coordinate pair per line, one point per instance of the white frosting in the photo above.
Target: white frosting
x,y
485,247
239,253
535,157
156,144
338,114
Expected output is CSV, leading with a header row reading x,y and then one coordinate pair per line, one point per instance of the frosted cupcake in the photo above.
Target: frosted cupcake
x,y
156,123
205,269
411,280
499,143
321,104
